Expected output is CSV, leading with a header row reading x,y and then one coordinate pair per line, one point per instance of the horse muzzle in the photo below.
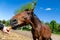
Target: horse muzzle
x,y
14,24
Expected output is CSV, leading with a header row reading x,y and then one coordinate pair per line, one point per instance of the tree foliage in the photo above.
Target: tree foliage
x,y
59,28
30,5
3,21
53,25
27,6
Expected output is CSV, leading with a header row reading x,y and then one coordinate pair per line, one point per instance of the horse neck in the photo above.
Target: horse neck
x,y
35,22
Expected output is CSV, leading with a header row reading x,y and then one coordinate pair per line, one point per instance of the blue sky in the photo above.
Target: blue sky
x,y
46,10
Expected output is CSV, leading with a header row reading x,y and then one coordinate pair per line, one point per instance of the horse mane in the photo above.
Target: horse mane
x,y
37,18
33,15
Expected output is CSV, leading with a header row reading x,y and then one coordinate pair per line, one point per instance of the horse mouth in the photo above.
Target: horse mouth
x,y
14,27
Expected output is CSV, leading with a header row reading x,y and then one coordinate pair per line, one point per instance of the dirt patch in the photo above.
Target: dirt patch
x,y
12,36
55,37
22,35
28,34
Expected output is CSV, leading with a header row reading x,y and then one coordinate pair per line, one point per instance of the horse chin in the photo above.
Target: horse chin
x,y
15,27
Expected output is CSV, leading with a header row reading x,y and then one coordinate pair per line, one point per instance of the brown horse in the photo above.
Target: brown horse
x,y
39,30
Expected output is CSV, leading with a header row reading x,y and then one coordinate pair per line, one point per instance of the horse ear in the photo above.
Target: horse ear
x,y
32,10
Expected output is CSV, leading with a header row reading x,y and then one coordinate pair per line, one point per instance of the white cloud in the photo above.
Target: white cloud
x,y
48,9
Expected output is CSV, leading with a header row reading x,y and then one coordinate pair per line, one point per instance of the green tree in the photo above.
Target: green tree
x,y
53,25
59,28
0,21
27,27
29,6
7,23
3,21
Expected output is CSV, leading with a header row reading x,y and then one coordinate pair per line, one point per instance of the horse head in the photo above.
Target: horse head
x,y
21,19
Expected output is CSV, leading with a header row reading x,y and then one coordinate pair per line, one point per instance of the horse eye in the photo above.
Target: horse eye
x,y
14,20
